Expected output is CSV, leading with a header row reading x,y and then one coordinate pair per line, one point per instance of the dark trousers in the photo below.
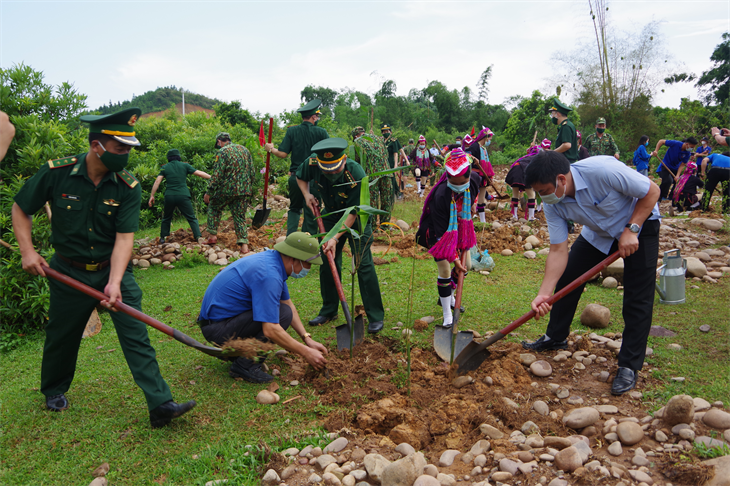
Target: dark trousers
x,y
639,282
366,276
717,175
184,204
242,326
68,313
666,184
297,204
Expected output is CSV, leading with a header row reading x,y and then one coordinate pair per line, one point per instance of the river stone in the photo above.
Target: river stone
x,y
480,447
541,407
270,478
541,368
404,472
533,240
426,480
405,449
615,449
336,445
461,381
581,417
609,283
374,465
446,479
558,482
611,409
695,268
687,434
508,465
491,432
314,478
506,252
544,251
530,427
629,433
530,255
562,392
659,331
431,470
569,459
717,419
325,460
100,481
557,442
501,476
266,397
595,316
722,471
405,227
712,224
143,264
447,457
701,404
615,270
527,359
680,409
660,436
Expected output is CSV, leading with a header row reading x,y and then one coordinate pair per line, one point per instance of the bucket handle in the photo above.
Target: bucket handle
x,y
666,253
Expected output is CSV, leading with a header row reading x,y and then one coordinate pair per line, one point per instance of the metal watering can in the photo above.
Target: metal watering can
x,y
671,279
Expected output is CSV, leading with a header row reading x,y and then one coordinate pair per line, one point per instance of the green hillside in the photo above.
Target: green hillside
x,y
159,99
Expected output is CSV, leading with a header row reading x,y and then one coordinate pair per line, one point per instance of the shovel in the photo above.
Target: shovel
x,y
348,335
174,333
263,214
447,341
475,354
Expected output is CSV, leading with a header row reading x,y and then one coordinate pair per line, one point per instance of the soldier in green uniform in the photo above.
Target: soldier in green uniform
x,y
567,140
370,152
96,206
298,142
601,143
395,151
231,184
177,194
326,170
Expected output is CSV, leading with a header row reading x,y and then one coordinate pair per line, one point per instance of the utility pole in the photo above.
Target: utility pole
x,y
183,103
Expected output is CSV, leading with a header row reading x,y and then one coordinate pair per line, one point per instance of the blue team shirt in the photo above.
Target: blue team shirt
x,y
719,160
606,192
675,156
259,278
641,158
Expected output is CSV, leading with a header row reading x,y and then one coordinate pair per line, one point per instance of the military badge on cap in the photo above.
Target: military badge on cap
x,y
310,108
560,107
115,125
330,154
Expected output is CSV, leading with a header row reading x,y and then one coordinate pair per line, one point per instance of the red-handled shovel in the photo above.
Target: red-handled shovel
x,y
259,219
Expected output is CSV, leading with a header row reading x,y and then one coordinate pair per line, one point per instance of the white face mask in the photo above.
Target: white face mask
x,y
553,198
421,147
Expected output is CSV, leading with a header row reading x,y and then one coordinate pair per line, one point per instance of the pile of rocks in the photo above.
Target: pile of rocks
x,y
166,254
623,449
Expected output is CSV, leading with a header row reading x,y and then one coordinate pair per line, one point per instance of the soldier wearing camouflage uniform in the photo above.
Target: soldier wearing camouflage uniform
x,y
395,151
231,184
369,151
600,143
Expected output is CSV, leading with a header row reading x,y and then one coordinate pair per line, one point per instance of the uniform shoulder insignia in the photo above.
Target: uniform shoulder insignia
x,y
313,161
64,162
128,178
350,179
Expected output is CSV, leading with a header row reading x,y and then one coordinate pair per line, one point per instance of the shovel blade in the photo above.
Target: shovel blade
x,y
343,334
470,358
259,219
442,342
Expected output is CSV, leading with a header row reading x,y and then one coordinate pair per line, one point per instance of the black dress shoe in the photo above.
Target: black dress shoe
x,y
625,380
249,370
319,320
163,414
542,345
57,403
375,327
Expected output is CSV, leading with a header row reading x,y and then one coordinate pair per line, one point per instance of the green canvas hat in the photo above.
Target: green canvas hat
x,y
310,108
560,107
330,153
173,153
301,246
601,120
222,136
119,125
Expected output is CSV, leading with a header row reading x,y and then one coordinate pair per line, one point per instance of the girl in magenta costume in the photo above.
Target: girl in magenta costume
x,y
685,193
478,150
516,179
446,227
424,161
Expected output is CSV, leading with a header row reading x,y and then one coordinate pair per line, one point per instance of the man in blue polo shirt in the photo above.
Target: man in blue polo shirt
x,y
618,211
675,159
718,174
228,309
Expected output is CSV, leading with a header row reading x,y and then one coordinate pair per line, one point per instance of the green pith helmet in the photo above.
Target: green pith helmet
x,y
119,125
601,120
301,246
560,107
330,153
310,108
224,136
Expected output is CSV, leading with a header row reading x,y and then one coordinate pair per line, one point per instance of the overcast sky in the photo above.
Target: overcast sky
x,y
264,53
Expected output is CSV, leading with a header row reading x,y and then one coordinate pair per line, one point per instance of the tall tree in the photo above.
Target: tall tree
x,y
483,84
327,95
715,82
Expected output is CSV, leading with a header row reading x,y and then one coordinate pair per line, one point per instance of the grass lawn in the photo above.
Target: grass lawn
x,y
108,420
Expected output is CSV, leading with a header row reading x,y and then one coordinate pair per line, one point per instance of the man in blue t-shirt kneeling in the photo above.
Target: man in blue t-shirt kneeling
x,y
228,309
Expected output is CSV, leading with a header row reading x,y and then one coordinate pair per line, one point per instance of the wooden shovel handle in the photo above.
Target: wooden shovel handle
x,y
268,159
330,257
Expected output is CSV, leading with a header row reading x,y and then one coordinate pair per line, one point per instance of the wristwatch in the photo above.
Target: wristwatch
x,y
633,227
306,335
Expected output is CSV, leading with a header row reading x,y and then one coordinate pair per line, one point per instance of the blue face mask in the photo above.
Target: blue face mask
x,y
461,188
303,273
553,198
489,142
646,144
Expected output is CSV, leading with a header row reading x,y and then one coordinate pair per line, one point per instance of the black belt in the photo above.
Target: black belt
x,y
89,267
